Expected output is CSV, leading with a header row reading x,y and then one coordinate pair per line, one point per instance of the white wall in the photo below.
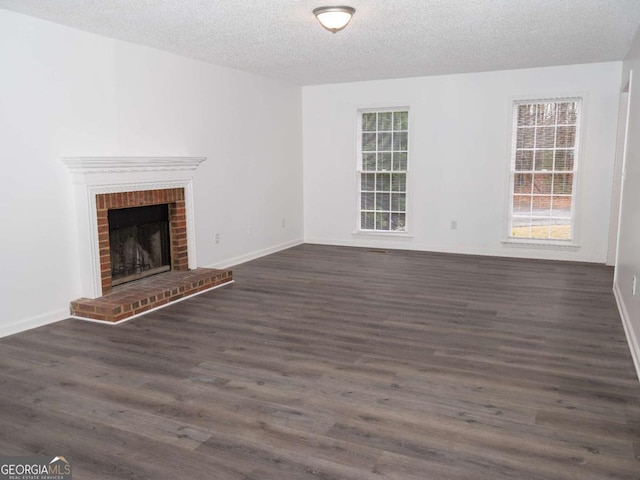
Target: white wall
x,y
64,92
459,158
628,264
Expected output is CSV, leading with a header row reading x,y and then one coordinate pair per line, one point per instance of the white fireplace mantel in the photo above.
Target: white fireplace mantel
x,y
97,175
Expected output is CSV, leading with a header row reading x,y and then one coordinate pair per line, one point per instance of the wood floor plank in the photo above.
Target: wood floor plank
x,y
104,452
341,363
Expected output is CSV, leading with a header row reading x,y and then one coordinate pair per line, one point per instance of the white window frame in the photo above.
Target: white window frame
x,y
359,171
572,243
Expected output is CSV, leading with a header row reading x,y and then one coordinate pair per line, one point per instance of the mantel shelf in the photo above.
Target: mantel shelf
x,y
85,165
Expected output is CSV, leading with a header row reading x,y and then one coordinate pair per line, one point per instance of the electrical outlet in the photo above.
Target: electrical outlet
x,y
283,223
217,238
633,288
454,224
248,229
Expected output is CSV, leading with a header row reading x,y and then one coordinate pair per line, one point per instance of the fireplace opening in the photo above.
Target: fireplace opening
x,y
139,242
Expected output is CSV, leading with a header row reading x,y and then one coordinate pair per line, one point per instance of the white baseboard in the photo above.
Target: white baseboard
x,y
33,322
408,243
257,254
632,339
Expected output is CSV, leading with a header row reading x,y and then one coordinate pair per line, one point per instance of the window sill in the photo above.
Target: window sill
x,y
540,244
404,235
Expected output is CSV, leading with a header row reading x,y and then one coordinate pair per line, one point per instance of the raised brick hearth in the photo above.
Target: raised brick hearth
x,y
130,299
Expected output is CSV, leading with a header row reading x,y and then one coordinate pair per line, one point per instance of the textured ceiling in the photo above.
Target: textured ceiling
x,y
386,38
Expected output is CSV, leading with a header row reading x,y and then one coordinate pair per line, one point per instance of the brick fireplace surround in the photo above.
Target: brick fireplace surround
x,y
174,197
100,182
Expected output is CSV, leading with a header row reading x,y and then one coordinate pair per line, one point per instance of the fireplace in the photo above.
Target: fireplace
x,y
112,183
120,239
139,243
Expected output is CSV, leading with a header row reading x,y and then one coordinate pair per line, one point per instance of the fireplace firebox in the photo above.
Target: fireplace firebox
x,y
139,242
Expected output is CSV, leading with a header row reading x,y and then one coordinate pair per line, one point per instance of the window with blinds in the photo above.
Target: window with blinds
x,y
382,166
544,164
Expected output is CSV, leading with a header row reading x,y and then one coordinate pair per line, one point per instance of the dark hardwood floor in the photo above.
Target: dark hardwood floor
x,y
340,363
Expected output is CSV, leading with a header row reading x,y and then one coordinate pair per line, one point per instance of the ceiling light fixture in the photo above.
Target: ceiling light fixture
x,y
334,19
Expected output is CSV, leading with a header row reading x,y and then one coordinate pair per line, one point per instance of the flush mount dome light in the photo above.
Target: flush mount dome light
x,y
334,19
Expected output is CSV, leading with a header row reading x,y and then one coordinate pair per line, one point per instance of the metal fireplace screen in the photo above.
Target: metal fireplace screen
x,y
139,242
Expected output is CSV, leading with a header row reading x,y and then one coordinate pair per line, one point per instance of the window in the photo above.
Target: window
x,y
382,166
544,164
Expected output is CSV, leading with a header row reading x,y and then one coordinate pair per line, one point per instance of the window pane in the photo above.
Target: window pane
x,y
384,161
545,137
400,141
398,222
382,221
519,222
369,161
368,182
546,114
561,207
567,113
399,161
524,160
367,220
525,138
566,137
399,182
369,122
521,204
398,202
384,141
522,183
542,206
563,183
400,120
521,231
544,160
368,142
383,201
560,231
383,182
384,121
367,201
540,231
542,183
526,115
564,160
